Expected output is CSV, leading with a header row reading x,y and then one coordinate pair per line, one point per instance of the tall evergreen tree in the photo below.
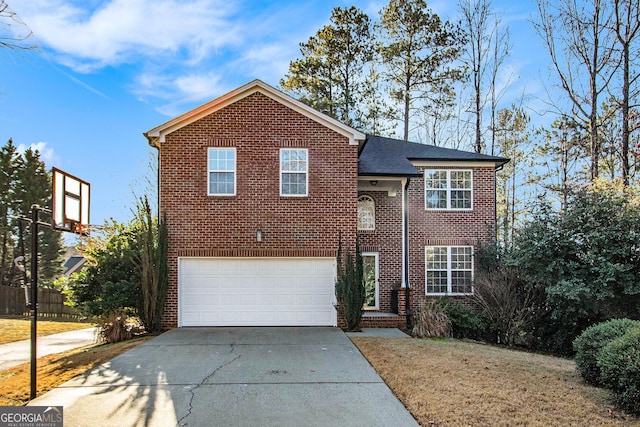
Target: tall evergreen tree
x,y
33,186
331,73
8,167
420,52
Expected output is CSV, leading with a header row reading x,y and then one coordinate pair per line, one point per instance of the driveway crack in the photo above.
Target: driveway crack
x,y
182,421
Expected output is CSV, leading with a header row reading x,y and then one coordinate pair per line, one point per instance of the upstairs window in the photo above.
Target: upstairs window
x,y
366,213
448,189
222,171
294,172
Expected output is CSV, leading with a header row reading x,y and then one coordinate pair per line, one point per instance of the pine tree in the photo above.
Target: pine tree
x,y
420,51
330,75
8,166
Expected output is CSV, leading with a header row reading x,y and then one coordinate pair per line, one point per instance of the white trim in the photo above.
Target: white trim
x,y
435,164
159,133
448,190
449,270
306,172
376,263
235,172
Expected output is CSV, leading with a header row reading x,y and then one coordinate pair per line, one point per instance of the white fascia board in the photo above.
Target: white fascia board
x,y
158,133
454,163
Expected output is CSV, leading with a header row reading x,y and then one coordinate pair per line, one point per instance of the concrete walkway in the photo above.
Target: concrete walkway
x,y
15,353
233,377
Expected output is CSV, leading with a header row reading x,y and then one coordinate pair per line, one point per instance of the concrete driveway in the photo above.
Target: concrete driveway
x,y
233,377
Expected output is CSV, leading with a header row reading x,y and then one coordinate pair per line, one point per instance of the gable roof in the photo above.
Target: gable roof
x,y
156,136
393,157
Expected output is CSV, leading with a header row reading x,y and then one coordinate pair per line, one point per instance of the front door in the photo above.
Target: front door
x,y
370,270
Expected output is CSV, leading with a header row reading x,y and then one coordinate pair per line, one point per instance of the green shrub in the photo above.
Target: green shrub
x,y
350,292
430,321
619,362
464,322
592,340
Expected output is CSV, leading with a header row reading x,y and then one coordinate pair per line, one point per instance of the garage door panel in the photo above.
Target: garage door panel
x,y
256,291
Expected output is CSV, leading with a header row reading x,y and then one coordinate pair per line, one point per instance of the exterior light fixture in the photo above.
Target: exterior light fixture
x,y
373,182
259,235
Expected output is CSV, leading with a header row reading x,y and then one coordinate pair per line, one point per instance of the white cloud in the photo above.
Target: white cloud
x,y
120,31
47,155
180,91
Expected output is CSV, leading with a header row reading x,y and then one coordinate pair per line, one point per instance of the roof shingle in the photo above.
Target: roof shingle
x,y
392,157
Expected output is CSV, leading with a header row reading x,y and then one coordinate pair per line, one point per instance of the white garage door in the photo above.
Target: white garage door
x,y
256,291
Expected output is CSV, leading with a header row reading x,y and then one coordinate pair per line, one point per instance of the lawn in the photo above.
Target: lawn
x,y
56,369
457,383
16,328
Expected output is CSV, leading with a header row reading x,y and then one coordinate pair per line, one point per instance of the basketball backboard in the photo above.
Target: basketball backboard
x,y
70,203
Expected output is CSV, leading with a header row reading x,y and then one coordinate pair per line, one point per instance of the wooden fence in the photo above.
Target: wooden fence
x,y
50,303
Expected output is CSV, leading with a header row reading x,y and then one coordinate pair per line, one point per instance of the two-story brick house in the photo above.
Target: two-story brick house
x,y
257,189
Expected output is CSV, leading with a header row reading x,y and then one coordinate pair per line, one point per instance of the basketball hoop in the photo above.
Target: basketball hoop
x,y
70,203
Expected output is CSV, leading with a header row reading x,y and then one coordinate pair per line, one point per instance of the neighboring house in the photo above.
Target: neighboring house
x,y
73,261
258,188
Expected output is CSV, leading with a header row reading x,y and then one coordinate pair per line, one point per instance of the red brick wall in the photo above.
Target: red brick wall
x,y
386,239
426,228
257,126
447,228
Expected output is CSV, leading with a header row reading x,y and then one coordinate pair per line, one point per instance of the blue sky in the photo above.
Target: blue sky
x,y
109,70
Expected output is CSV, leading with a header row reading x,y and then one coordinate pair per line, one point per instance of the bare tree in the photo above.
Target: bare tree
x,y
19,32
627,31
580,46
486,48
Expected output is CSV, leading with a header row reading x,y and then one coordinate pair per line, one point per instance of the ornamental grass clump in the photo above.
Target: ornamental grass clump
x,y
430,321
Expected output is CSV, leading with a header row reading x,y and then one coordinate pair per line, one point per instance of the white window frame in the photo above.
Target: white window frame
x,y
376,257
234,171
372,226
448,189
449,269
306,172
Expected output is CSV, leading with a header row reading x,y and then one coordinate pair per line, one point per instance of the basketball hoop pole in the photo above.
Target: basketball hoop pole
x,y
33,304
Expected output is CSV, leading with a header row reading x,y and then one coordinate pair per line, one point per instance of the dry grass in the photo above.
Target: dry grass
x,y
19,328
56,369
456,383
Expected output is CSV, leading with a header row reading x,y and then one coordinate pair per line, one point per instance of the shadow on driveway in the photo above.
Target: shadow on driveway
x,y
233,377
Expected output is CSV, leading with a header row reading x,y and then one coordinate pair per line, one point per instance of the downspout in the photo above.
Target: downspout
x,y
495,203
405,251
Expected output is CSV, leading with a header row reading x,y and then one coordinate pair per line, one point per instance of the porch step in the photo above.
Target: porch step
x,y
377,319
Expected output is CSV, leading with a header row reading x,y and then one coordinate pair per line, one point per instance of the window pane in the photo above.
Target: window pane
x,y
294,183
436,258
221,183
461,199
436,179
369,272
436,199
293,160
461,282
461,179
366,213
436,282
222,159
